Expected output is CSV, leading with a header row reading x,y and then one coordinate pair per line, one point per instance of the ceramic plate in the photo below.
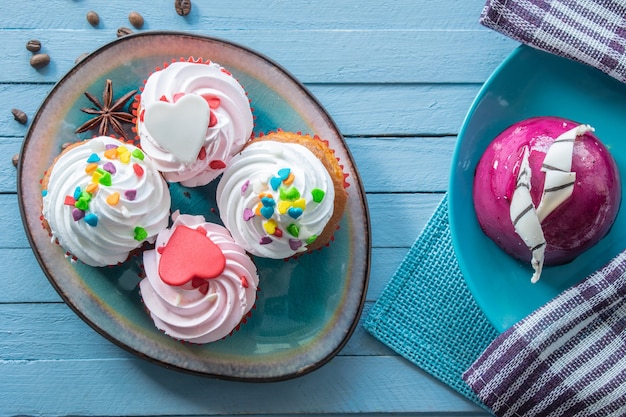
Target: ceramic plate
x,y
530,83
306,309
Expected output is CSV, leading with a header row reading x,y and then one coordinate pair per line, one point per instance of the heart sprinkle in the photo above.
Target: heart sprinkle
x,y
247,214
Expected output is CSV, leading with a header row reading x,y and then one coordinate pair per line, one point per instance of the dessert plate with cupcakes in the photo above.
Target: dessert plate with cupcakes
x,y
195,204
537,181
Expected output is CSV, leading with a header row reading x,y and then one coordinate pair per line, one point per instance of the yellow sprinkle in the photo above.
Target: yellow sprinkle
x,y
91,188
113,199
270,226
96,176
289,179
300,203
91,168
111,153
283,206
121,150
124,157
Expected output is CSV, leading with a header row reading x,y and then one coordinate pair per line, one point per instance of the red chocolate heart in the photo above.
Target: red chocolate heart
x,y
190,254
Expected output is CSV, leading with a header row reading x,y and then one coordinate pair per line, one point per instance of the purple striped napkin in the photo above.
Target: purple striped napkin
x,y
592,32
567,358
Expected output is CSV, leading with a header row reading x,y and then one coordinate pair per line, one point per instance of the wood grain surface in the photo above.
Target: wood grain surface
x,y
397,76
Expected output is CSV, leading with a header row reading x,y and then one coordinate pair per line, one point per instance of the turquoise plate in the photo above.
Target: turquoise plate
x,y
307,308
530,83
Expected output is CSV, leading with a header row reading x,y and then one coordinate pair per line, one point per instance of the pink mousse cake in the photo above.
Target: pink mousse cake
x,y
545,190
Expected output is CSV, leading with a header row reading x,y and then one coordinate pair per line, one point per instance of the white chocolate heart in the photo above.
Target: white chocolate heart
x,y
179,128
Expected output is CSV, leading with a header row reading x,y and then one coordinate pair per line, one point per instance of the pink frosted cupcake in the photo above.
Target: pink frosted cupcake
x,y
192,118
199,285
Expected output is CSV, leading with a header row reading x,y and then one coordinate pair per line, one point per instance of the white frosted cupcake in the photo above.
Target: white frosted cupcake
x,y
103,198
192,117
200,285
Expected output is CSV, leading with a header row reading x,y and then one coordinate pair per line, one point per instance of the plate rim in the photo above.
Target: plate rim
x,y
349,331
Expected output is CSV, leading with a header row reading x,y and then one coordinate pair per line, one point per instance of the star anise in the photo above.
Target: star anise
x,y
108,113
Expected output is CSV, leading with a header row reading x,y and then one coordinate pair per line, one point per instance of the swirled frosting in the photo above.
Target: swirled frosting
x,y
103,199
201,310
275,198
225,106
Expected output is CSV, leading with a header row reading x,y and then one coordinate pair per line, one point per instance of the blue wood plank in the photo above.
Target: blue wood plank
x,y
130,386
334,56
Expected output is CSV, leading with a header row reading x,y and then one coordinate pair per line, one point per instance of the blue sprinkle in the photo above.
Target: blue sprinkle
x,y
275,183
294,212
44,193
91,219
77,193
284,173
267,212
268,202
93,158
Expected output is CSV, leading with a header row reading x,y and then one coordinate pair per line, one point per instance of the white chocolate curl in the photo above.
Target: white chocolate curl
x,y
558,187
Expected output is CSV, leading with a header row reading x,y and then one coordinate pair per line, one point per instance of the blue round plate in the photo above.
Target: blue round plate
x,y
307,307
530,83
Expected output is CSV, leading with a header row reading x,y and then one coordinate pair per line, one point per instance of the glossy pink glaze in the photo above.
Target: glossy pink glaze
x,y
575,226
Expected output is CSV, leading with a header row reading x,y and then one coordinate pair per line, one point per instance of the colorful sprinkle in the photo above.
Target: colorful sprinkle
x,y
202,154
293,230
124,157
130,194
247,214
138,154
106,179
290,194
289,179
140,233
138,170
295,244
311,239
90,168
244,282
44,193
111,153
77,192
300,203
113,199
91,188
284,173
91,219
283,206
110,146
270,226
278,232
77,214
109,167
265,240
268,202
217,164
93,158
267,211
295,212
97,175
244,187
82,204
275,183
318,195
69,200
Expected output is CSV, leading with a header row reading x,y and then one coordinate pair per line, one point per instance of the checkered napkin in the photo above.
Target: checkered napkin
x,y
568,358
592,32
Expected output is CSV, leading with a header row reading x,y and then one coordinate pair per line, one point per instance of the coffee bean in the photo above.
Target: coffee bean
x,y
33,45
20,116
39,60
123,31
135,19
15,159
183,7
93,18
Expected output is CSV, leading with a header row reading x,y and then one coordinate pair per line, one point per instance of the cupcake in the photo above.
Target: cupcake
x,y
545,190
192,118
283,195
199,285
103,198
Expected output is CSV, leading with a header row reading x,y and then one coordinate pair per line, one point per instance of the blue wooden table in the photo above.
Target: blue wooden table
x,y
397,76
